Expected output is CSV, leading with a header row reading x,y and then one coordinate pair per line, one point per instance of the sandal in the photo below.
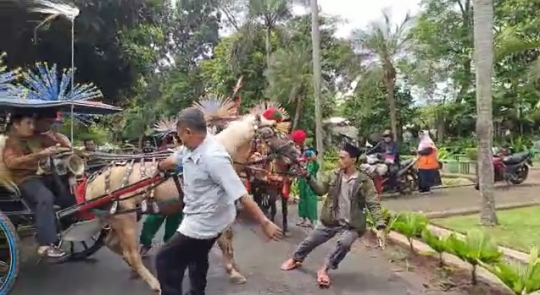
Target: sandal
x,y
51,252
290,264
323,280
301,223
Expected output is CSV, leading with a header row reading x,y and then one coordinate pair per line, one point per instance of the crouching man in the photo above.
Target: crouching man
x,y
350,193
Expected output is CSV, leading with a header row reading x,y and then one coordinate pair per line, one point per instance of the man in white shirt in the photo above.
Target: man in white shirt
x,y
211,187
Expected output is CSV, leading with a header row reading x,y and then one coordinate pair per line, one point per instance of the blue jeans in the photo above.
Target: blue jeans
x,y
41,201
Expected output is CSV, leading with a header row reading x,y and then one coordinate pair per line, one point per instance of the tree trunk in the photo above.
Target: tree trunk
x,y
317,76
483,62
268,39
391,100
297,112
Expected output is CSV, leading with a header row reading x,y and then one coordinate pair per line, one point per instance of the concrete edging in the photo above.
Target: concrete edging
x,y
449,259
468,211
508,252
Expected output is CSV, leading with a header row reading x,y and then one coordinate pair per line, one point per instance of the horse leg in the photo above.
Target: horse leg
x,y
125,226
114,244
284,213
273,206
225,243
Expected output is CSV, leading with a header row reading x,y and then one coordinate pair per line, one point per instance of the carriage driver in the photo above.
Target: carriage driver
x,y
44,122
22,152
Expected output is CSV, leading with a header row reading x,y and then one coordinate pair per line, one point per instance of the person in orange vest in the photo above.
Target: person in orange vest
x,y
427,163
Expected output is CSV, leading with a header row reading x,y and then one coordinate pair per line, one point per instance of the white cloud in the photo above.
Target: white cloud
x,y
359,13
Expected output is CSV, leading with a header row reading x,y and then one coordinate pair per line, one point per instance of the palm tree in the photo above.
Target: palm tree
x,y
265,15
289,76
384,43
483,62
317,77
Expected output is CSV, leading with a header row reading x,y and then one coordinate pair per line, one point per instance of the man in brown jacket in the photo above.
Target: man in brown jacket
x,y
350,193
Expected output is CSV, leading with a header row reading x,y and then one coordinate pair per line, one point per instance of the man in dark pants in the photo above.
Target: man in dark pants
x,y
211,187
22,152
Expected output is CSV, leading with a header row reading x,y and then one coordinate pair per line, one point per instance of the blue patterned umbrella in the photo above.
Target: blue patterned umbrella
x,y
7,78
47,83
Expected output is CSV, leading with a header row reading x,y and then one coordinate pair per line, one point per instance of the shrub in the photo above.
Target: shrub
x,y
437,243
411,225
476,247
521,279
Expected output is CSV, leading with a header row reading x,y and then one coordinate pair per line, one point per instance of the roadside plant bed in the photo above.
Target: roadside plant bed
x,y
445,279
517,229
476,249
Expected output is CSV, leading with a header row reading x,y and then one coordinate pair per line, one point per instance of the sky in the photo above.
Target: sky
x,y
359,13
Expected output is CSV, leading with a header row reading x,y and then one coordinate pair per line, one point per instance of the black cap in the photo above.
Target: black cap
x,y
352,150
47,114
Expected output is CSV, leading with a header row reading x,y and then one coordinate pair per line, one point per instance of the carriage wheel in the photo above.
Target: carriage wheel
x,y
9,254
85,249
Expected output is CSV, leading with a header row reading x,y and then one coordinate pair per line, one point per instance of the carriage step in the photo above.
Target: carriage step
x,y
82,230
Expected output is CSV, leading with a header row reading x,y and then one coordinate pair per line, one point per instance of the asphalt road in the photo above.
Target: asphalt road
x,y
365,271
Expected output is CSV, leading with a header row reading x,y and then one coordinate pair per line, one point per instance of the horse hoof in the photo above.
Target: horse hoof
x,y
237,278
144,206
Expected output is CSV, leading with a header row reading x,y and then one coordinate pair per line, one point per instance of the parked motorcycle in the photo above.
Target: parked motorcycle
x,y
406,179
512,168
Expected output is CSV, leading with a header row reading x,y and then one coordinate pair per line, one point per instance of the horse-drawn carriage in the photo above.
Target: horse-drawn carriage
x,y
16,216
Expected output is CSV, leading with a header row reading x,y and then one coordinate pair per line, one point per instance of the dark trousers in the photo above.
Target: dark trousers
x,y
41,200
426,179
179,253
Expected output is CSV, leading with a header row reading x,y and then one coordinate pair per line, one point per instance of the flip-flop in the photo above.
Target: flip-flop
x,y
290,264
323,280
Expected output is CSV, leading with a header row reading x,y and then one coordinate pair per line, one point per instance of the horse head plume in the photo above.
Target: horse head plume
x,y
166,126
217,110
273,111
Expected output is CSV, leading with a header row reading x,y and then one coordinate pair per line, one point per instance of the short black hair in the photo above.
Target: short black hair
x,y
193,119
87,141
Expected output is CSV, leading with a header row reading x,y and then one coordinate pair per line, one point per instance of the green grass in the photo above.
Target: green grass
x,y
518,228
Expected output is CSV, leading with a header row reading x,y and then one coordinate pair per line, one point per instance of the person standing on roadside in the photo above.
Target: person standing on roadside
x,y
211,188
350,194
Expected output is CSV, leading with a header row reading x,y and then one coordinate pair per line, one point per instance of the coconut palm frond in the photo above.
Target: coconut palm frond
x,y
215,108
261,107
166,126
44,83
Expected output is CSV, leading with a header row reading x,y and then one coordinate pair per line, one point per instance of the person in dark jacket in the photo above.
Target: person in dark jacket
x,y
388,149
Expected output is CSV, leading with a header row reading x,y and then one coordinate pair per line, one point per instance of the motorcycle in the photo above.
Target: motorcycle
x,y
512,168
406,179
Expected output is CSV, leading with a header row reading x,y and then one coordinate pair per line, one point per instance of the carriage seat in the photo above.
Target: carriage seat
x,y
516,158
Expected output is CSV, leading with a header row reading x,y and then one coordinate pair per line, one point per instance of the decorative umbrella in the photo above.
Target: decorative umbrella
x,y
55,10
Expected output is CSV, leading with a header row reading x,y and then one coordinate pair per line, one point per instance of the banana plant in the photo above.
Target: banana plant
x,y
411,225
476,247
435,242
521,279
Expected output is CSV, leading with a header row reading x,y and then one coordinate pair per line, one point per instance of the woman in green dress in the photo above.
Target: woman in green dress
x,y
307,205
151,226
